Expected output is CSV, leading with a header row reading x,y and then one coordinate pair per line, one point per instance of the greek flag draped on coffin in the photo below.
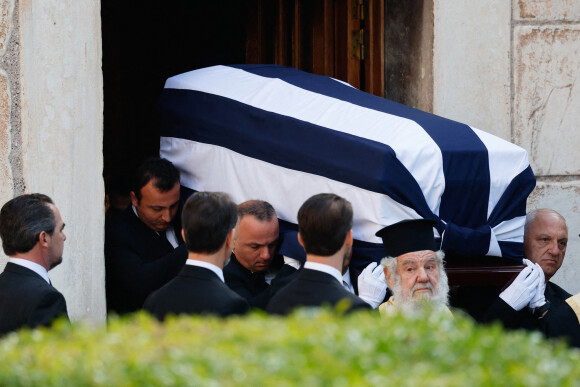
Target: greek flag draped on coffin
x,y
282,135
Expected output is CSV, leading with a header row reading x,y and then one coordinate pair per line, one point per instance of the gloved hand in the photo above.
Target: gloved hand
x,y
539,298
372,285
522,290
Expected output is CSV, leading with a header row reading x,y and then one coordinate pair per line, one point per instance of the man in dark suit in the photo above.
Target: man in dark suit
x,y
32,235
564,321
369,285
143,244
208,222
250,269
325,232
545,242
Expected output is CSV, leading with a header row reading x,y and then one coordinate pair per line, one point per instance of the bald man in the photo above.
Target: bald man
x,y
545,241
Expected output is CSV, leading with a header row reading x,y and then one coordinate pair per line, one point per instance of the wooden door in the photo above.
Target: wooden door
x,y
343,39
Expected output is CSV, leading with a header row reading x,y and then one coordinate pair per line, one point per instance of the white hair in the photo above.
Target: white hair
x,y
440,297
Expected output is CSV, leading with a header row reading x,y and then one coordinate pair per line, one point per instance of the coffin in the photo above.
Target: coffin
x,y
282,135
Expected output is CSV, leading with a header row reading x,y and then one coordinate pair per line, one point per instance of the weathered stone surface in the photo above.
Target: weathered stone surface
x,y
563,197
6,9
62,129
471,64
6,185
547,10
547,97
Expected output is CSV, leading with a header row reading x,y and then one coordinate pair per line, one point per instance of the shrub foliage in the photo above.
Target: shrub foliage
x,y
308,348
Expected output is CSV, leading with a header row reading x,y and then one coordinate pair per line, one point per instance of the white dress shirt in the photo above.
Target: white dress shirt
x,y
346,281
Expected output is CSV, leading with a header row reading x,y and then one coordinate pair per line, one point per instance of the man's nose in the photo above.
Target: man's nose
x,y
166,215
422,275
554,250
265,252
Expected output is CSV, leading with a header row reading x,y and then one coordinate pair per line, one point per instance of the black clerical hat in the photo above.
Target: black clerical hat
x,y
407,236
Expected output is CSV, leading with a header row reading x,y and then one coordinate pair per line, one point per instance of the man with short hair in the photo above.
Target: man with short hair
x,y
143,245
208,221
32,235
255,243
413,268
545,242
325,232
524,301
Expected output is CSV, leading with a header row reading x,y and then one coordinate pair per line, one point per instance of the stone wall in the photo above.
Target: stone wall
x,y
9,100
546,112
51,131
511,69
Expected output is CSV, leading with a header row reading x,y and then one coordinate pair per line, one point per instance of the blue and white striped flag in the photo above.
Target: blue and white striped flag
x,y
282,135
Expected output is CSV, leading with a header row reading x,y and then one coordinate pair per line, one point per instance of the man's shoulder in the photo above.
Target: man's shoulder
x,y
199,280
313,288
123,224
27,299
25,279
555,294
205,293
234,269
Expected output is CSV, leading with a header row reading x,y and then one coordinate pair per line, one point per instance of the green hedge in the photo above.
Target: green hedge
x,y
308,348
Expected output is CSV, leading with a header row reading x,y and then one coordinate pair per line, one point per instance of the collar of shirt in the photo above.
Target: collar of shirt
x,y
35,267
169,233
325,269
219,272
346,281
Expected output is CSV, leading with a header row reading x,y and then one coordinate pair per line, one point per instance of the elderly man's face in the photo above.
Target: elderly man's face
x,y
419,274
545,242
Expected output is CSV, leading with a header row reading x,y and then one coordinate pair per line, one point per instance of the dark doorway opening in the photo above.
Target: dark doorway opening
x,y
146,42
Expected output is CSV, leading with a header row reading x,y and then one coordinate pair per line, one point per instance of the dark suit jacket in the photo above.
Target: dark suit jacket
x,y
523,319
138,261
564,321
251,286
196,290
27,300
312,288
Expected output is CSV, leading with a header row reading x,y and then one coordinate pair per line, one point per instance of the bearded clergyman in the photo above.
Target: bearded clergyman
x,y
413,268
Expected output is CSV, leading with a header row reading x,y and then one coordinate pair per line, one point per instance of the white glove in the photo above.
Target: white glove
x,y
529,263
292,262
372,285
539,298
522,290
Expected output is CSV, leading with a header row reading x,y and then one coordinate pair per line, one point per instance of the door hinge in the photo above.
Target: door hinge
x,y
358,36
358,44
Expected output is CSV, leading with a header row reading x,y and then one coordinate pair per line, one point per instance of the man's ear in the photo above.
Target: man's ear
x,y
134,200
230,239
388,277
348,240
44,239
300,240
182,234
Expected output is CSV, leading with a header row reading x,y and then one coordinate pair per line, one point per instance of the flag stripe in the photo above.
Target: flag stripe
x,y
219,169
277,133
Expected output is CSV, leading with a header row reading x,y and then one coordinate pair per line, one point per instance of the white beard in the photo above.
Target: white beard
x,y
438,299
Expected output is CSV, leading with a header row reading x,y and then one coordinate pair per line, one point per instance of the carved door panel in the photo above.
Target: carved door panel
x,y
343,39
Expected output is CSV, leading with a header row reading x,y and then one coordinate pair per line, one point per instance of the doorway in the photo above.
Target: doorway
x,y
145,42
